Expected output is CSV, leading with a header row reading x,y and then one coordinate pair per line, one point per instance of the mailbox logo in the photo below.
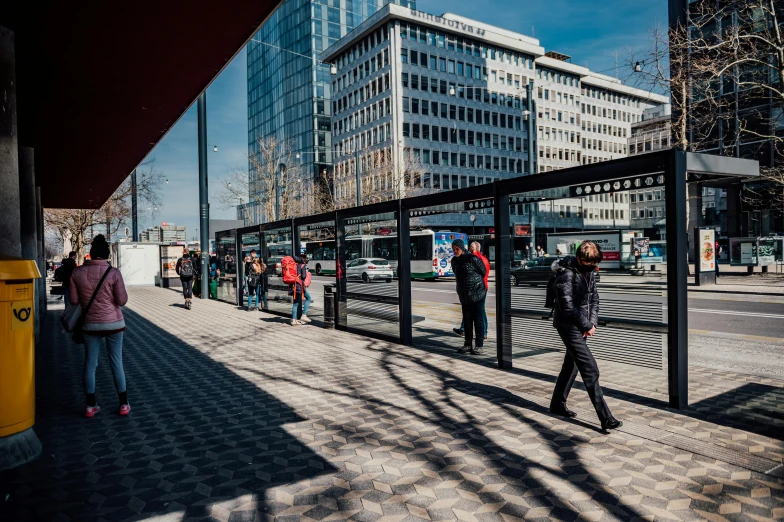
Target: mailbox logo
x,y
22,313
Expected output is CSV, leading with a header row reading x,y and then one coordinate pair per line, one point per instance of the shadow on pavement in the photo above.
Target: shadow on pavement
x,y
198,434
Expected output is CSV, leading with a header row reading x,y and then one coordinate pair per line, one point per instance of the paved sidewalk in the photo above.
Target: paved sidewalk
x,y
237,416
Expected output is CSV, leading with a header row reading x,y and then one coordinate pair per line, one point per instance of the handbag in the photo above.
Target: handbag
x,y
73,318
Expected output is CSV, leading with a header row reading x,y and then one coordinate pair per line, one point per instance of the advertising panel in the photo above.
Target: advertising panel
x,y
522,230
609,242
747,256
707,248
169,257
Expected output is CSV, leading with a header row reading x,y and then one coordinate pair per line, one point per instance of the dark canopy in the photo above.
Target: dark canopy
x,y
100,83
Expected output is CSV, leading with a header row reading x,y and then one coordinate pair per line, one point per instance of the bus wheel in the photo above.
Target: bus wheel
x,y
318,269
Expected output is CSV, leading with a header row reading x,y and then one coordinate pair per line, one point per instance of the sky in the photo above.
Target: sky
x,y
590,32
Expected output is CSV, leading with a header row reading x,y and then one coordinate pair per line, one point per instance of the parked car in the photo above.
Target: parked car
x,y
273,265
369,269
537,271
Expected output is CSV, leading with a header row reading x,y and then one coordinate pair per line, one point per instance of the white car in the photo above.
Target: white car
x,y
369,269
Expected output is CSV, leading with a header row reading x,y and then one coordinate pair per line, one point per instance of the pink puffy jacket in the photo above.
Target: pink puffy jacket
x,y
105,314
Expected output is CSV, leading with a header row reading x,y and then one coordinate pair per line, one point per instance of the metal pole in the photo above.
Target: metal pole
x,y
277,195
204,206
134,207
359,184
531,152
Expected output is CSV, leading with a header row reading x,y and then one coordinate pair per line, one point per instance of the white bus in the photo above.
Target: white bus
x,y
431,252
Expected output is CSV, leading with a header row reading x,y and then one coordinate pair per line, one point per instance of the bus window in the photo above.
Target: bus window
x,y
353,248
422,248
385,248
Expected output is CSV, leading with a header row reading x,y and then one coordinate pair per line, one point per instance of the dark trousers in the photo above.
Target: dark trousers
x,y
187,288
473,319
579,358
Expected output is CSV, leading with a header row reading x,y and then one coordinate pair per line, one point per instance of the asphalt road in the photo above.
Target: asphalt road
x,y
721,314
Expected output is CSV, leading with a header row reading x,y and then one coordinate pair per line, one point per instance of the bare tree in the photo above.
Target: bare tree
x,y
273,173
381,178
71,225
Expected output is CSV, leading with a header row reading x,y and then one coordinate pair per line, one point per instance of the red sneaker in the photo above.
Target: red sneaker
x,y
125,409
90,411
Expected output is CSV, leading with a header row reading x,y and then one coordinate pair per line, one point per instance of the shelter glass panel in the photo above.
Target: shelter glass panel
x,y
367,274
547,228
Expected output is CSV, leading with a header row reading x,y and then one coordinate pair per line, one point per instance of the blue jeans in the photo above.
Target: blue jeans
x,y
484,313
298,301
92,345
253,294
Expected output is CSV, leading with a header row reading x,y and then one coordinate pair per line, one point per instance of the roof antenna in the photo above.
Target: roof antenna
x,y
533,34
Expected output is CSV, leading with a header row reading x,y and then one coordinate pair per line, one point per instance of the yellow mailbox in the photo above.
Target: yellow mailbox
x,y
17,342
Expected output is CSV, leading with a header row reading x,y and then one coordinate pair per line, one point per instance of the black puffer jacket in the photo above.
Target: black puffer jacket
x,y
577,300
470,275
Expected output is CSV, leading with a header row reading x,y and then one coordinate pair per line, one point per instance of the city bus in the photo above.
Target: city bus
x,y
431,252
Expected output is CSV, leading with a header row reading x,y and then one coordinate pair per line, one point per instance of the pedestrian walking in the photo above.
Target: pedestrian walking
x,y
301,299
576,315
256,275
186,269
96,280
469,274
476,248
63,275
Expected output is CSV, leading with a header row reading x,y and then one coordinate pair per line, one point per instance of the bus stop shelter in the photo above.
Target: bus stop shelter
x,y
643,331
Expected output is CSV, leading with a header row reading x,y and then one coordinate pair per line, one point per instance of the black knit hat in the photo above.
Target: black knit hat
x,y
99,248
458,243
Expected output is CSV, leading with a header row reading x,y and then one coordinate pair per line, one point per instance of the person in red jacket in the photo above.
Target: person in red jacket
x,y
476,249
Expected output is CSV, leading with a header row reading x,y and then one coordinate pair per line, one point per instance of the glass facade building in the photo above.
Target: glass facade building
x,y
288,87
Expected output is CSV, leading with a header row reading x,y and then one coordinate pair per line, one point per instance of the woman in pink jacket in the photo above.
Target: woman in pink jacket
x,y
104,320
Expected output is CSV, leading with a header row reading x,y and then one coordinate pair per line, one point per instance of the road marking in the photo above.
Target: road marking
x,y
740,314
713,333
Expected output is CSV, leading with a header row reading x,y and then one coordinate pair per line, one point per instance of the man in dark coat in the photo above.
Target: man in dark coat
x,y
470,277
576,315
64,273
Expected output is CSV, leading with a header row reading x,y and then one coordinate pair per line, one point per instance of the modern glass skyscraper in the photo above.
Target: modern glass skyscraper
x,y
288,88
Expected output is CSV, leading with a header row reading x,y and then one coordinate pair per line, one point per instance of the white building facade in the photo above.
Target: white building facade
x,y
451,93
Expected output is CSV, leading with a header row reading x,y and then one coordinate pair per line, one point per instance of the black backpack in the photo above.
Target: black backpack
x,y
253,279
186,269
550,294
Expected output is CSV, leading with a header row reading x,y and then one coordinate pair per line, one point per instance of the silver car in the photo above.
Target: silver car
x,y
369,269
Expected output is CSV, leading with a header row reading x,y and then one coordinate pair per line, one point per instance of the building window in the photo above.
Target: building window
x,y
404,55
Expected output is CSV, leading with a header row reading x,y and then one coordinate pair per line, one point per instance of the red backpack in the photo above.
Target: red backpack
x,y
288,268
308,279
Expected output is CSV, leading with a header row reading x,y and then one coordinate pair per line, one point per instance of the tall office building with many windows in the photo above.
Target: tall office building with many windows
x,y
288,87
449,93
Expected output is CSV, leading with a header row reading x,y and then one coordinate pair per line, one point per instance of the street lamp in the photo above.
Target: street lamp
x,y
281,170
472,217
638,67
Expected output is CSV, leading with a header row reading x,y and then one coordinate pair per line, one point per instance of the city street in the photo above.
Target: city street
x,y
743,333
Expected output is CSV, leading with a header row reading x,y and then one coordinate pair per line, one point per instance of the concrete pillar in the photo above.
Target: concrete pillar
x,y
27,212
41,247
27,204
22,447
10,239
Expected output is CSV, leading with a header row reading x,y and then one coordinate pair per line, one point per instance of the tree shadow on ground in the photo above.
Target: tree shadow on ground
x,y
198,434
436,423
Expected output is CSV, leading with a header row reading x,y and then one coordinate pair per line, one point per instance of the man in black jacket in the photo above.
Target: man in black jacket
x,y
470,276
64,274
576,316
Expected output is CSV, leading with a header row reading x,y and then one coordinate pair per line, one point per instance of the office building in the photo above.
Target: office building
x,y
450,93
167,234
289,88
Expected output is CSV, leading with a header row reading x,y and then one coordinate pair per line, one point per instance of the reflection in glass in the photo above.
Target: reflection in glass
x,y
226,262
367,274
546,227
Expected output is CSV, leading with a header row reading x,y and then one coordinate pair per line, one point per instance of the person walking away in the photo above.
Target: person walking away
x,y
103,322
576,315
63,274
469,274
186,269
301,298
254,273
476,248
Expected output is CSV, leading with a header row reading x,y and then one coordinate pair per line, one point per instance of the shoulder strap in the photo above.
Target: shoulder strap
x,y
96,291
